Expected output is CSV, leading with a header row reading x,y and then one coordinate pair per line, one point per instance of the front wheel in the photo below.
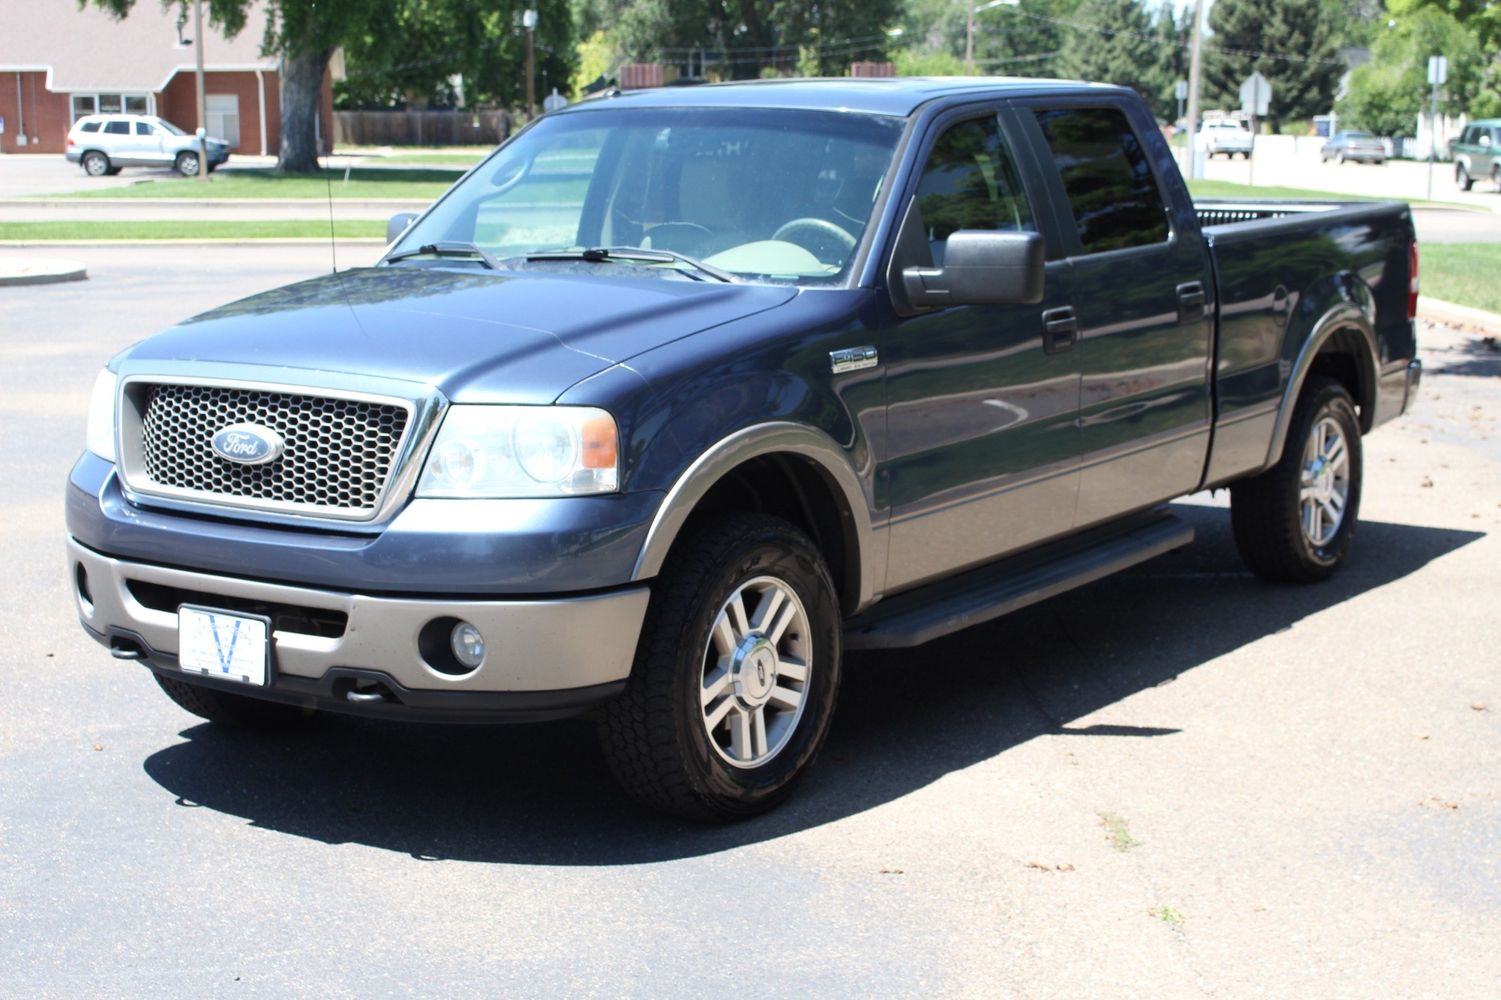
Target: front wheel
x,y
736,672
1294,522
186,164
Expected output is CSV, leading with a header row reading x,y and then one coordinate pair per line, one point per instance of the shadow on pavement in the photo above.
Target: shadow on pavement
x,y
1479,356
541,794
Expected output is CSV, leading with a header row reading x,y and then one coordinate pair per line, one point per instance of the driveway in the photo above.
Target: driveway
x,y
1178,782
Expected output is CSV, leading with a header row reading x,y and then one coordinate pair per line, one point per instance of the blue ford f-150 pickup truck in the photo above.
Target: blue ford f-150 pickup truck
x,y
681,394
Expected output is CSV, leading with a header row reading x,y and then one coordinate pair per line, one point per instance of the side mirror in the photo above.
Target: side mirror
x,y
397,225
981,268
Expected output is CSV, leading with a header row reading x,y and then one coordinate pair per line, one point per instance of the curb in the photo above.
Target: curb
x,y
1452,314
39,271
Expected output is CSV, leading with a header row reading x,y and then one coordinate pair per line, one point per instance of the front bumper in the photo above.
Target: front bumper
x,y
376,655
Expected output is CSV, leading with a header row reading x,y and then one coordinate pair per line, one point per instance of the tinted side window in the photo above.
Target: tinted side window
x,y
970,182
90,126
117,128
142,128
1110,187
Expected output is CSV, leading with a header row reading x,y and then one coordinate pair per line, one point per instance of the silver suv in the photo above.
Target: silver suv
x,y
103,144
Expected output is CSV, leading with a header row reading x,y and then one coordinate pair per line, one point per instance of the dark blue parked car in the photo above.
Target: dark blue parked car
x,y
680,394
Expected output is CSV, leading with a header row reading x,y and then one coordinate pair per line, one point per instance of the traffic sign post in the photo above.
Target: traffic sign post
x,y
1438,74
1255,98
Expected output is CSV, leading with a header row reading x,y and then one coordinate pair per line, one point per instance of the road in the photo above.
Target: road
x,y
1178,782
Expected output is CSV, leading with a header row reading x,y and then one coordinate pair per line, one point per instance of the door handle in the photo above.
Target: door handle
x,y
1190,301
1060,327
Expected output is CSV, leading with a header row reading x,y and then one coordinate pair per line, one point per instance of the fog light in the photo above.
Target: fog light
x,y
467,644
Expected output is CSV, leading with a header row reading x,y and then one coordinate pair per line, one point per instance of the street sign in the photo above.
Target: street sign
x,y
1180,89
1255,95
1438,70
554,101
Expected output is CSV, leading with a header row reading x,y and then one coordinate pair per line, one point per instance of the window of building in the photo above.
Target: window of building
x,y
223,112
107,104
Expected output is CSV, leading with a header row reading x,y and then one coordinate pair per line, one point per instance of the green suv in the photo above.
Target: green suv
x,y
1477,153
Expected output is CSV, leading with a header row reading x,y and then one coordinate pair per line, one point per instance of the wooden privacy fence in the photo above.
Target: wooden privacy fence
x,y
421,128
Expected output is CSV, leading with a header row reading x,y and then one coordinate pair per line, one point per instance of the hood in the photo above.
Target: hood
x,y
478,336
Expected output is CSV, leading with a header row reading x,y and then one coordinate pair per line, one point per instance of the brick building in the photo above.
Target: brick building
x,y
58,63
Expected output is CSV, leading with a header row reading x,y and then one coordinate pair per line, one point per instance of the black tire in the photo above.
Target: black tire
x,y
1462,178
1496,177
1339,158
655,736
226,709
1265,511
186,164
95,163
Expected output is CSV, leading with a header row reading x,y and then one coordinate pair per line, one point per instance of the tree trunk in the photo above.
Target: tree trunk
x,y
301,100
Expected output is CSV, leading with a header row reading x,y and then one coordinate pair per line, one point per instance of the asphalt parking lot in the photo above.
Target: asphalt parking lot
x,y
1178,782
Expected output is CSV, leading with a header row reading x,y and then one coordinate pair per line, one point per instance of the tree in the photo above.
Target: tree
x,y
751,36
1293,43
1481,19
1388,94
410,51
304,34
1009,41
1112,41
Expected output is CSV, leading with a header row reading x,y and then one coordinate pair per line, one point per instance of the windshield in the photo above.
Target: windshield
x,y
772,195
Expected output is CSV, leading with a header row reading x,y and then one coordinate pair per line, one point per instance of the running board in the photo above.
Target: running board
x,y
981,595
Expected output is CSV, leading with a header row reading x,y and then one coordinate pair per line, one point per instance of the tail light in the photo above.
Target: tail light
x,y
1412,283
71,142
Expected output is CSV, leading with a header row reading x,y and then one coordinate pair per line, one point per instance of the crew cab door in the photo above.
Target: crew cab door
x,y
1143,294
981,448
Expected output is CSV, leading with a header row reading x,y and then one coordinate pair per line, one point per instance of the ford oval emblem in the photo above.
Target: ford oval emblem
x,y
248,444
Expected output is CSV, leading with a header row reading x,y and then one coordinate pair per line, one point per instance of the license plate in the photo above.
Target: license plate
x,y
221,644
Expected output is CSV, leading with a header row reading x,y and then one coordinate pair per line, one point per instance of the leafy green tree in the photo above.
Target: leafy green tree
x,y
1010,40
1482,20
304,34
1293,43
1113,41
1387,95
408,51
752,36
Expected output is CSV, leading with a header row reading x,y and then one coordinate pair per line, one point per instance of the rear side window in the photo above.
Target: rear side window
x,y
142,128
89,127
969,182
117,128
1111,191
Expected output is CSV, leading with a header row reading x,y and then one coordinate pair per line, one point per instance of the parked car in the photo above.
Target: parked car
x,y
680,394
103,144
1227,137
1477,154
1360,146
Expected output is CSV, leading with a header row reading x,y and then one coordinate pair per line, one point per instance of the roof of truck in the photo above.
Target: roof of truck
x,y
870,95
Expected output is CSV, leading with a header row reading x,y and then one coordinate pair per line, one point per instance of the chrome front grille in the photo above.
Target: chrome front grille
x,y
338,459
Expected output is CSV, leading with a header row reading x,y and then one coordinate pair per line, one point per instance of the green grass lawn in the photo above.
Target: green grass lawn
x,y
194,229
1229,189
465,160
1463,273
411,184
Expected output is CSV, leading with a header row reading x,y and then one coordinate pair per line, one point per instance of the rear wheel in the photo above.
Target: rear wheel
x,y
186,164
228,709
1496,176
736,672
1340,158
1294,522
1462,177
95,163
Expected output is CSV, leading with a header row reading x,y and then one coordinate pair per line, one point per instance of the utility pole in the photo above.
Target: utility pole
x,y
529,21
1195,40
969,36
202,100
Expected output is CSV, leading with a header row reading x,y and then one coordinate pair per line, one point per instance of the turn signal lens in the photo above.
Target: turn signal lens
x,y
1412,284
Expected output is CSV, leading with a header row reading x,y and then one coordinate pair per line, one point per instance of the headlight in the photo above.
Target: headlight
x,y
522,451
100,436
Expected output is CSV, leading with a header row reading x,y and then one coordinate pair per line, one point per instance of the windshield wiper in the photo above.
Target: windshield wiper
x,y
603,254
448,248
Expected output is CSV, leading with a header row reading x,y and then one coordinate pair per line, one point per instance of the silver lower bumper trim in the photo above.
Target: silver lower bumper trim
x,y
531,645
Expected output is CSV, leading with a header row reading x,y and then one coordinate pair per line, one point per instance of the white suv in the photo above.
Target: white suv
x,y
102,144
1228,137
